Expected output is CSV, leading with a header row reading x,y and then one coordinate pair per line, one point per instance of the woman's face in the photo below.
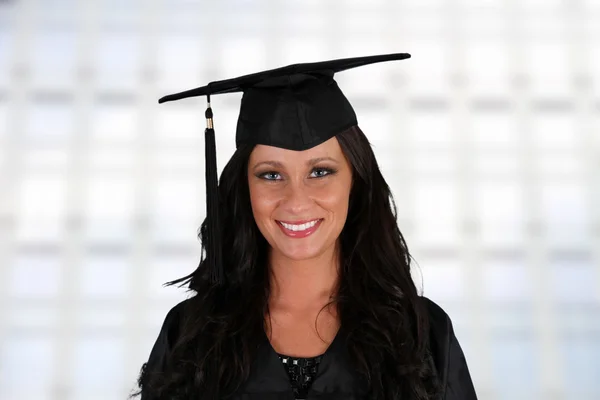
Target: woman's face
x,y
300,198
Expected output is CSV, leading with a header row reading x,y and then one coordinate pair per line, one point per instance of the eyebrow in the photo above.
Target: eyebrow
x,y
310,162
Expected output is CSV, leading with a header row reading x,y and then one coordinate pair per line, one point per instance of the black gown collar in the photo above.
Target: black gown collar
x,y
335,377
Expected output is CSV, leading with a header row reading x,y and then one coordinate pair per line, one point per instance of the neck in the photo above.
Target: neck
x,y
303,284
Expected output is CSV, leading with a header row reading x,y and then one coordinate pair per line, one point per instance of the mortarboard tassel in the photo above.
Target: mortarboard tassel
x,y
212,202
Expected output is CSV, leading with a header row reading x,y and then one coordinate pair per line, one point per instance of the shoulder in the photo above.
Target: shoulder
x,y
441,334
169,331
163,345
174,318
438,318
448,356
176,312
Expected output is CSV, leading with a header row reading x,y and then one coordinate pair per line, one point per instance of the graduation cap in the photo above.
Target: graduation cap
x,y
294,107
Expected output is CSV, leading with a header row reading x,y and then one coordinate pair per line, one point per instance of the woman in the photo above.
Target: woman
x,y
305,291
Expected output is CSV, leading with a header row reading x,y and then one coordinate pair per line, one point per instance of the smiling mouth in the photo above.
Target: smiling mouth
x,y
300,227
298,231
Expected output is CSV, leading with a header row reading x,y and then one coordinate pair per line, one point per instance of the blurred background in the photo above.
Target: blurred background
x,y
489,137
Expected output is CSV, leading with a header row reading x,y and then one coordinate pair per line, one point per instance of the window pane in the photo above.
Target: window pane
x,y
105,276
581,365
117,60
107,355
514,364
28,356
35,276
49,123
54,57
574,281
506,280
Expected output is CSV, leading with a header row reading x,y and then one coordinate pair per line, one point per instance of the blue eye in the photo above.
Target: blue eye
x,y
321,172
270,176
315,173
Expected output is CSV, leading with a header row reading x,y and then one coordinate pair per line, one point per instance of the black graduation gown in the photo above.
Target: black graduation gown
x,y
335,379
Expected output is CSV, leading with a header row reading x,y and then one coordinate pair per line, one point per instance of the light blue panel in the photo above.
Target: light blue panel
x,y
578,319
566,211
573,281
506,281
175,75
103,315
511,319
514,364
580,357
41,317
54,57
98,363
48,123
117,60
35,277
105,276
26,362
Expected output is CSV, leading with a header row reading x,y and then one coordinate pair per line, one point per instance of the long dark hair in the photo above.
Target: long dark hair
x,y
377,300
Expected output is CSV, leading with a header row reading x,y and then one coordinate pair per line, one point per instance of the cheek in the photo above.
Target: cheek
x,y
335,199
263,203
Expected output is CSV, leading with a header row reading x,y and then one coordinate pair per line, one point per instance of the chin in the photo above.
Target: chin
x,y
298,254
298,251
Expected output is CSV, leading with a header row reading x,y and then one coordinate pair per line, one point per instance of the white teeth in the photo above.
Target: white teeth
x,y
300,227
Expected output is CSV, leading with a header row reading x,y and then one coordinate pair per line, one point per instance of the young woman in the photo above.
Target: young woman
x,y
305,291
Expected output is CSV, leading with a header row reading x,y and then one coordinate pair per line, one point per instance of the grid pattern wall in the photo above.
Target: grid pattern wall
x,y
489,137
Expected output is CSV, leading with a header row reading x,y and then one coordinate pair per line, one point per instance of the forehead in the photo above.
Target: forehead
x,y
329,148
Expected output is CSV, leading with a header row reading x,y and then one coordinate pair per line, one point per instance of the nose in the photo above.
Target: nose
x,y
297,198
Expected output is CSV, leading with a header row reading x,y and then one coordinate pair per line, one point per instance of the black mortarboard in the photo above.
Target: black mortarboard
x,y
295,107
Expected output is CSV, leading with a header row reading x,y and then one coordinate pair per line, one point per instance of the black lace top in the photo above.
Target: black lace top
x,y
302,372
